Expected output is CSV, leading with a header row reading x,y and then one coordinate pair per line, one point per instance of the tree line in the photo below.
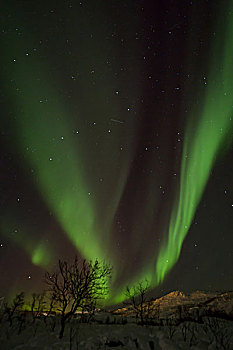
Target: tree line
x,y
76,286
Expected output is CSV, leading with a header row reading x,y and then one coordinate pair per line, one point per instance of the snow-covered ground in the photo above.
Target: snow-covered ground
x,y
213,334
200,321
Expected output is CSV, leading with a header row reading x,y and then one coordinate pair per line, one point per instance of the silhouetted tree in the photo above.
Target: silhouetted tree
x,y
77,285
37,305
136,297
12,310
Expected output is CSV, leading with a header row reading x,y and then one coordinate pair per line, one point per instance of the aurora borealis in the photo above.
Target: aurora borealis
x,y
116,141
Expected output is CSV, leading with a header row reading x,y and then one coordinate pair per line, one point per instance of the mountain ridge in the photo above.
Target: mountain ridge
x,y
172,303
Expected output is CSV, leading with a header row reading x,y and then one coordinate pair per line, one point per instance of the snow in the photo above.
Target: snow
x,y
196,329
88,336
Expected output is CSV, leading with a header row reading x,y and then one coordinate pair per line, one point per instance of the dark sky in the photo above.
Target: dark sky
x,y
116,130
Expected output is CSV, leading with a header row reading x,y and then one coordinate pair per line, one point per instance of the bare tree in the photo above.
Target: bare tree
x,y
217,330
170,324
136,297
16,306
77,285
37,305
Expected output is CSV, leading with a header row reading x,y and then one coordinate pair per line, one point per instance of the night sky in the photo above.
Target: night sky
x,y
116,141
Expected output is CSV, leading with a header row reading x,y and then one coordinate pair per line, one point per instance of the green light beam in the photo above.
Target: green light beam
x,y
204,140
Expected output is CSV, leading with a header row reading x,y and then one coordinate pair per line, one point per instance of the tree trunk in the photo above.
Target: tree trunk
x,y
62,327
142,320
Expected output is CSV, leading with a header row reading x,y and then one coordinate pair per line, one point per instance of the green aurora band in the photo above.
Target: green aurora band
x,y
60,168
208,134
49,140
205,137
49,156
